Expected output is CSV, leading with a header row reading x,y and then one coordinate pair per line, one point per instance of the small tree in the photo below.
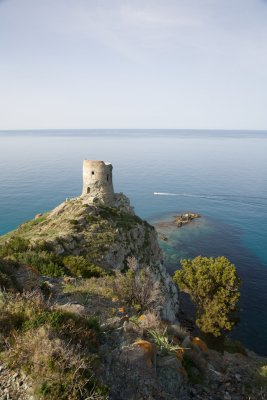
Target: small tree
x,y
135,287
213,285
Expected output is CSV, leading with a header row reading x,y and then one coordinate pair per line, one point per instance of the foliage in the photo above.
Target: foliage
x,y
28,311
213,285
53,265
58,369
263,371
7,280
13,245
120,218
79,266
73,222
234,346
27,226
56,349
46,263
50,264
135,286
162,341
93,286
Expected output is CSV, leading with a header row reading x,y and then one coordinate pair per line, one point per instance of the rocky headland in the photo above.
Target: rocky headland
x,y
104,236
88,311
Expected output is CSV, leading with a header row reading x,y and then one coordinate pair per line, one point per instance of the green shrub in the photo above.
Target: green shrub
x,y
79,266
121,219
91,219
27,226
45,263
135,286
263,371
13,245
162,341
73,222
46,288
4,281
24,312
16,309
7,280
85,330
213,285
234,346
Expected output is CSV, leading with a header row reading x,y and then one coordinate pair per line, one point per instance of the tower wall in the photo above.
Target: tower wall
x,y
97,180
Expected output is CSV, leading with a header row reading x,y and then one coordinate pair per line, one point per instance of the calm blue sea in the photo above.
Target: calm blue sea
x,y
220,174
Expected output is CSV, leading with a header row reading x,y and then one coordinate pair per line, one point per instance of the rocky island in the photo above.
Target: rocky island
x,y
176,221
185,218
88,310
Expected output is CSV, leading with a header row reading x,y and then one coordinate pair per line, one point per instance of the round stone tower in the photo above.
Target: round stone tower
x,y
97,180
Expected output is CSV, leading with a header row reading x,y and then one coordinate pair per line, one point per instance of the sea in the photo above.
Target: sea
x,y
220,174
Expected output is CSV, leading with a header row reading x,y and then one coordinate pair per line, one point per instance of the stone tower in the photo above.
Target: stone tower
x,y
97,181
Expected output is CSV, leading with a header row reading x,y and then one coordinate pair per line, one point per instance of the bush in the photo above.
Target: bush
x,y
79,266
120,218
213,285
45,263
13,245
7,281
73,222
135,287
23,312
163,343
234,346
263,371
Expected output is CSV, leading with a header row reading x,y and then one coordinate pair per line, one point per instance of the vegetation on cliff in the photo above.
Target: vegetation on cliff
x,y
101,236
213,285
86,342
85,304
56,349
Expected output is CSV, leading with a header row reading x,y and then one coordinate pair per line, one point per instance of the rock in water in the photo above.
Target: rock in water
x,y
185,218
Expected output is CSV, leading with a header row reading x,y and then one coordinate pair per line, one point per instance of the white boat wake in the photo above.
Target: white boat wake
x,y
182,194
250,200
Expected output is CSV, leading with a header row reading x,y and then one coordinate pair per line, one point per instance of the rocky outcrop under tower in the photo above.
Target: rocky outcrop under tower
x,y
105,236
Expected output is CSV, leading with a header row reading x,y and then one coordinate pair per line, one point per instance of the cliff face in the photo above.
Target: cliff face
x,y
105,236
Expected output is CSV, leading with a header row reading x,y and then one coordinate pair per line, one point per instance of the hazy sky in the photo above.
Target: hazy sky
x,y
133,64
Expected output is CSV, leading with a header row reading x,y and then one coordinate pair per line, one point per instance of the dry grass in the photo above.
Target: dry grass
x,y
56,349
57,370
136,287
150,320
93,286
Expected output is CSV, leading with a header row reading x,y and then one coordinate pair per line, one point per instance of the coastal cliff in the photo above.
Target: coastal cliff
x,y
105,237
88,311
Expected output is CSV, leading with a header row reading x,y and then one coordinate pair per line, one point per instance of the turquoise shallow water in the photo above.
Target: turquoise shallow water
x,y
221,175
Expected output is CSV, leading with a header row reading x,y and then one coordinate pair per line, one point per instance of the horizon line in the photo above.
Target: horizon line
x,y
131,129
